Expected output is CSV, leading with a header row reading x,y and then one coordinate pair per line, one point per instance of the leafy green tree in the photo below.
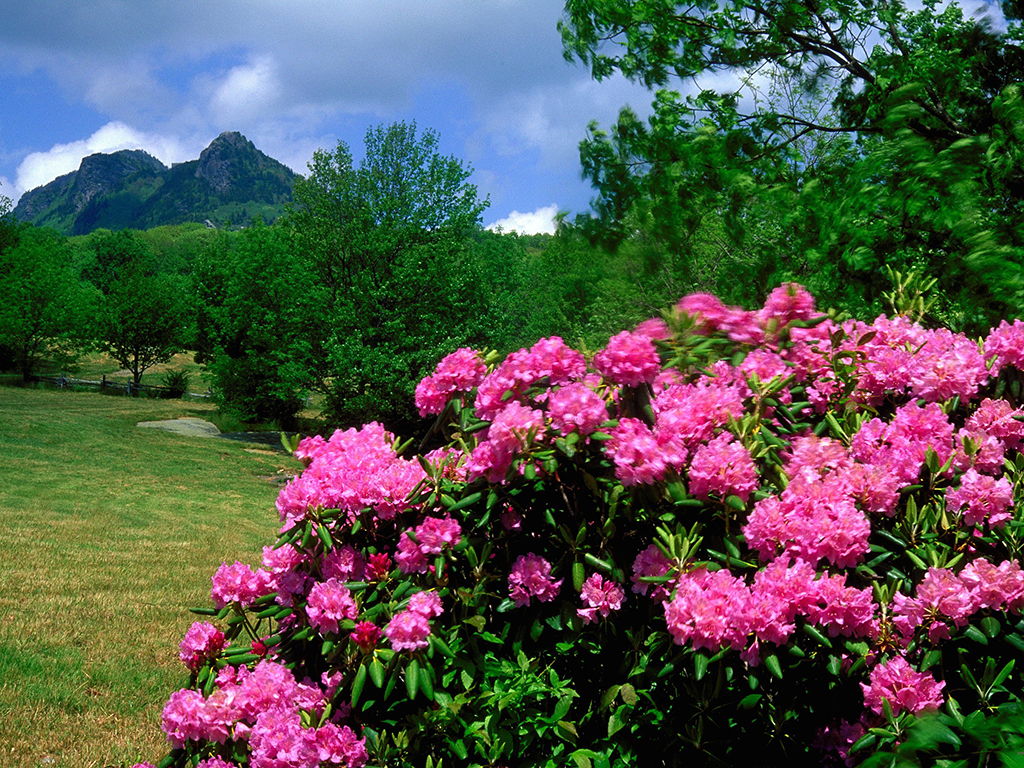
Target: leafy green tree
x,y
385,240
260,321
46,314
143,319
875,132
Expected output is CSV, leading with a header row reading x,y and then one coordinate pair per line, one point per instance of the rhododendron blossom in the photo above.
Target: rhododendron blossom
x,y
201,643
531,577
602,596
903,687
408,631
629,359
330,602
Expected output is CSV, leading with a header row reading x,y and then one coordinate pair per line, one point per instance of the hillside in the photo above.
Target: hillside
x,y
231,182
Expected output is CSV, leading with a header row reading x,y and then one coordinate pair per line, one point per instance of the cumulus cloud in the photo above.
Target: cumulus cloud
x,y
248,91
541,221
40,168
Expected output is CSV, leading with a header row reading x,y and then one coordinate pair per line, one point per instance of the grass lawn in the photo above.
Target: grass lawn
x,y
108,533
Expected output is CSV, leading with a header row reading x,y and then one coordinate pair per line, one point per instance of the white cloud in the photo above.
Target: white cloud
x,y
247,92
541,221
40,168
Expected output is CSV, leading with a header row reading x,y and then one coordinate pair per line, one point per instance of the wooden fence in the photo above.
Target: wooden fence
x,y
129,388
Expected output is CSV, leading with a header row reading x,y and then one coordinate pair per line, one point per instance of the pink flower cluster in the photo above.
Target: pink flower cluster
x,y
576,407
531,577
238,583
714,608
904,688
981,499
430,537
513,430
785,304
942,595
408,630
602,596
201,644
330,602
629,359
461,371
1005,345
549,359
353,470
724,467
263,709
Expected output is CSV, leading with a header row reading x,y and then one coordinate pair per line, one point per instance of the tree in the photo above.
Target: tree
x,y
914,118
46,314
260,318
144,317
385,240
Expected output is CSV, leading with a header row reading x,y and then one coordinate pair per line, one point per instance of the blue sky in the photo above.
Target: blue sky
x,y
168,76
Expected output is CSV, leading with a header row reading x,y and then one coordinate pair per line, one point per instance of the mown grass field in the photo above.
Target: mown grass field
x,y
108,533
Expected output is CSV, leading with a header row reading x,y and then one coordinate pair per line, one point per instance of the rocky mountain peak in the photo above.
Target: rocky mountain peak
x,y
226,157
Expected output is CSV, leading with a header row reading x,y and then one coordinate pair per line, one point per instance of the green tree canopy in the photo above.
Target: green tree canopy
x,y
877,132
387,241
47,313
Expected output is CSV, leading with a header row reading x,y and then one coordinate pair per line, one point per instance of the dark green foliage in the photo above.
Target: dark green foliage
x,y
177,383
260,321
47,314
143,316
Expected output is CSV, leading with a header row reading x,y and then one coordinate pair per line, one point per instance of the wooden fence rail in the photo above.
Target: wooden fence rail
x,y
129,388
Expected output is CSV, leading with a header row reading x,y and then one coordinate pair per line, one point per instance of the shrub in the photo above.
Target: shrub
x,y
733,537
177,382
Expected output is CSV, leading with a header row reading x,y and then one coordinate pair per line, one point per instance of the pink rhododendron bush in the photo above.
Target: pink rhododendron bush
x,y
747,537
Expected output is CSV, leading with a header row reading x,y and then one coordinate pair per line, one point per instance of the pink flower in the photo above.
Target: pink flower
x,y
513,430
650,562
602,596
1006,345
709,610
629,359
427,604
408,631
330,602
460,371
576,407
216,762
201,643
185,718
378,567
278,740
365,635
723,467
531,577
638,457
338,745
904,688
436,533
238,583
785,304
344,564
981,498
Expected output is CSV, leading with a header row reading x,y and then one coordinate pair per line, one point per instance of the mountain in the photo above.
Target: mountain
x,y
232,181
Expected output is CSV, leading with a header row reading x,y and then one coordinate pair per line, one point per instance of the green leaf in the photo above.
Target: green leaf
x,y
990,626
771,661
358,683
376,673
412,678
700,663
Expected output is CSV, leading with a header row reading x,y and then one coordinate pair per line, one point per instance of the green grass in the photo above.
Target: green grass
x,y
108,533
